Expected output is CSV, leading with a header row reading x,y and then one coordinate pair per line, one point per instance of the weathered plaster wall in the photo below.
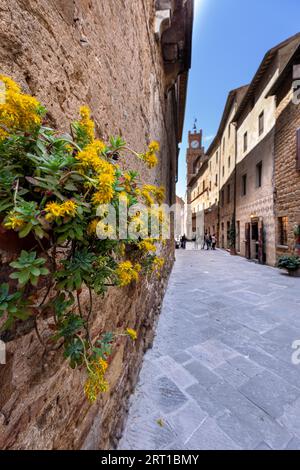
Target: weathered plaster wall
x,y
250,123
102,53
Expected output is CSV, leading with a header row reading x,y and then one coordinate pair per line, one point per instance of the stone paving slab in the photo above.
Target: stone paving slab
x,y
220,374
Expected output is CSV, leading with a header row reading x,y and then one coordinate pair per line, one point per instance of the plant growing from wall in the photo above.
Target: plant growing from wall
x,y
51,186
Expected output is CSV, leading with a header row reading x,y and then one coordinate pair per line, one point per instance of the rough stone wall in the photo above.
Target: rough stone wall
x,y
226,211
102,53
287,177
258,202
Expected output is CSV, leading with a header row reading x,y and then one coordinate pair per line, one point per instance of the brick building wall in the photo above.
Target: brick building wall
x,y
104,54
256,207
287,176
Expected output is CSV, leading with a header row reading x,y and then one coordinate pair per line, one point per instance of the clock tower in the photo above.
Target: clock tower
x,y
194,158
194,152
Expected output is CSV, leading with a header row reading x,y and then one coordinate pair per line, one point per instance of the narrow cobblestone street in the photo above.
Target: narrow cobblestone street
x,y
220,374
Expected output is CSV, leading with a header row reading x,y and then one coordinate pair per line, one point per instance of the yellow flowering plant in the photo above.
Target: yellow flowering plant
x,y
50,188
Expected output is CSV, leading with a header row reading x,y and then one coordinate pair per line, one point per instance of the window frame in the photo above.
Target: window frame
x,y
283,226
245,141
244,185
259,177
261,123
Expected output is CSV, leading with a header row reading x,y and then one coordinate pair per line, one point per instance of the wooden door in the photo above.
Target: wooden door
x,y
261,254
247,240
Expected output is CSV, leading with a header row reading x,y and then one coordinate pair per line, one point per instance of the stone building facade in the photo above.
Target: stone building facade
x,y
257,147
287,158
256,121
129,62
196,185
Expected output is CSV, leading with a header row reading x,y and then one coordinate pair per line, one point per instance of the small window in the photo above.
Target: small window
x,y
203,186
229,162
244,185
229,129
223,144
223,171
217,157
216,180
259,175
210,166
283,223
228,194
245,141
261,123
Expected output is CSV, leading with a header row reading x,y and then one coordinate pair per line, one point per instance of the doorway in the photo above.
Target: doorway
x,y
238,236
254,239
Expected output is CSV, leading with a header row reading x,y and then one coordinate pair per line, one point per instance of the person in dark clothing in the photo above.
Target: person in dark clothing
x,y
183,242
208,241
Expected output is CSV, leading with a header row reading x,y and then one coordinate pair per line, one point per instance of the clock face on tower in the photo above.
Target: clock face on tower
x,y
195,144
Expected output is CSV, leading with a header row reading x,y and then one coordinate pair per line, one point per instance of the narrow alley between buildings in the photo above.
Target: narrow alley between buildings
x,y
220,374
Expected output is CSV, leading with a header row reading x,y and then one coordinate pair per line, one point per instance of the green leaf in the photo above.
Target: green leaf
x,y
25,231
35,271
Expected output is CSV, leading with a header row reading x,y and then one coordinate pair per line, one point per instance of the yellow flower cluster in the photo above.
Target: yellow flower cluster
x,y
104,230
105,191
131,333
154,146
92,227
89,157
87,123
139,223
127,272
18,111
157,265
153,194
147,246
96,382
14,221
150,156
55,210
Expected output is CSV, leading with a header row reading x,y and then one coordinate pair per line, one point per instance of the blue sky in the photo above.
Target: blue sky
x,y
230,39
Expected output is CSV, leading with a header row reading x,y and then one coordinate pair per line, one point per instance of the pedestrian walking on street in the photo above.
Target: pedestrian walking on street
x,y
213,241
208,242
183,242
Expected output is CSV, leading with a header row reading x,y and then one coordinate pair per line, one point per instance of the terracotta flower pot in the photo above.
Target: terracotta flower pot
x,y
294,273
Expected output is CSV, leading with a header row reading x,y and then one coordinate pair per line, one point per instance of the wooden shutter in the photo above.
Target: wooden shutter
x,y
298,149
